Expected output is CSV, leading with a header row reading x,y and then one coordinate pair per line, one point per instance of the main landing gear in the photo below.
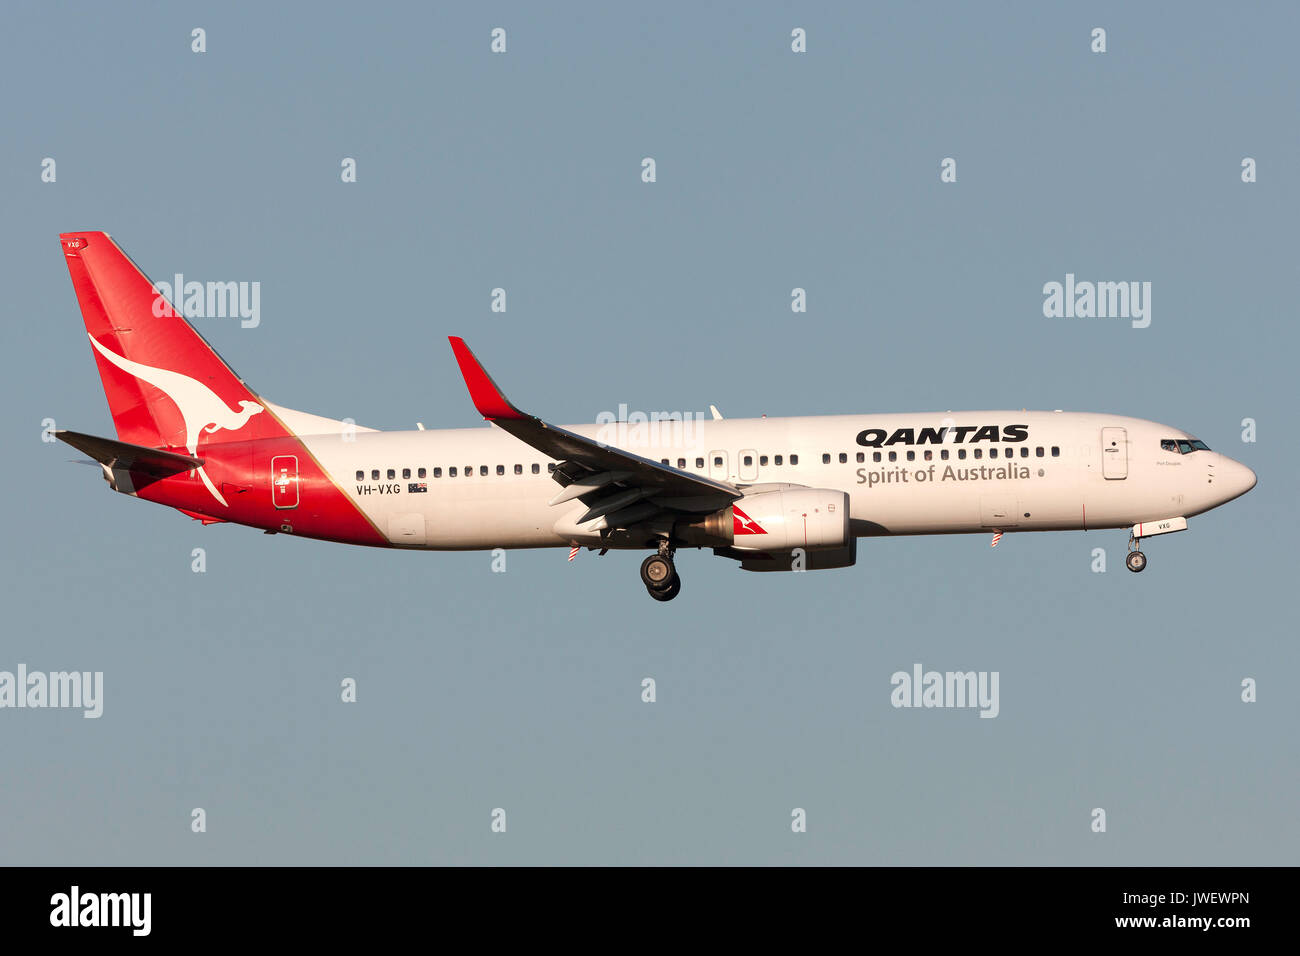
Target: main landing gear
x,y
660,576
1136,560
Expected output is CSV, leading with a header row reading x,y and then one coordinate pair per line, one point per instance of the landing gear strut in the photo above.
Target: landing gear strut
x,y
1136,560
659,575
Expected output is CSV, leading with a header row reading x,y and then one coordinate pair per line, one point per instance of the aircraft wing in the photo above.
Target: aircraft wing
x,y
619,487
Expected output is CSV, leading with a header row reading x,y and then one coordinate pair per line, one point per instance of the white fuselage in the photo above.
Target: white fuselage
x,y
1071,471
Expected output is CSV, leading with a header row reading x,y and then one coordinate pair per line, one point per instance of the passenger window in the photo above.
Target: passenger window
x,y
843,458
1039,451
501,469
681,462
826,459
361,476
993,453
961,454
406,473
777,460
699,462
749,460
1056,452
519,469
550,467
483,470
893,456
943,453
875,456
391,474
911,455
929,455
862,456
374,475
979,452
451,472
437,472
537,469
1024,451
762,459
717,461
421,473
794,459
469,471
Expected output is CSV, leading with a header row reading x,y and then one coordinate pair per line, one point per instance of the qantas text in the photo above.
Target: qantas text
x,y
950,434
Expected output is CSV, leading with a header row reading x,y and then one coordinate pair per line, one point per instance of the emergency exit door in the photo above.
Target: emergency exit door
x,y
284,481
1114,452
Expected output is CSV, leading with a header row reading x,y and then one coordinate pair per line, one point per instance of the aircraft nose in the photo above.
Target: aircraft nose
x,y
1235,478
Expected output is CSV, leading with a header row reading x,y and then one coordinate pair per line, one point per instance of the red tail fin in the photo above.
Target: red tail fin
x,y
165,385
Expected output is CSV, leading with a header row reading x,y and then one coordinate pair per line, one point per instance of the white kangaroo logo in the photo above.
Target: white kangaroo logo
x,y
200,407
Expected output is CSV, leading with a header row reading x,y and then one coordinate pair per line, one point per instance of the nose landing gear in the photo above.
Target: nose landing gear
x,y
1136,560
660,575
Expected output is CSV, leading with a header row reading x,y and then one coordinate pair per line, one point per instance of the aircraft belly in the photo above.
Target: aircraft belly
x,y
957,505
461,520
918,509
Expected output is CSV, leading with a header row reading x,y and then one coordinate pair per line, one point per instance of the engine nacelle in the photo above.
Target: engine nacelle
x,y
774,522
808,560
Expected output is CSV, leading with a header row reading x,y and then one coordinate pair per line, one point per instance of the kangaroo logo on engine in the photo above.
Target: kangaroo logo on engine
x,y
744,524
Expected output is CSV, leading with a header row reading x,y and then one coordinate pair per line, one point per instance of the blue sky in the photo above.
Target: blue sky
x,y
775,170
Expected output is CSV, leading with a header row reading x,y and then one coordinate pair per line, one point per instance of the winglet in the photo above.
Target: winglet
x,y
487,398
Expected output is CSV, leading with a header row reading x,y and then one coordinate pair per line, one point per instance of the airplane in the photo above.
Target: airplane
x,y
774,494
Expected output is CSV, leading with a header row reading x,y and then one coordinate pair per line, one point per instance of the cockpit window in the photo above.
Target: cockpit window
x,y
1183,446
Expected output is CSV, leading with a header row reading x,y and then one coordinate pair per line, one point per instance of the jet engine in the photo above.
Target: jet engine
x,y
765,527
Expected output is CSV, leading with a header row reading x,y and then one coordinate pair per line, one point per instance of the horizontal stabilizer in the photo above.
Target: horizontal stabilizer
x,y
119,454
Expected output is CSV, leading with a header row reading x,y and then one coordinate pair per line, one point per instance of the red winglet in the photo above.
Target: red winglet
x,y
483,391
